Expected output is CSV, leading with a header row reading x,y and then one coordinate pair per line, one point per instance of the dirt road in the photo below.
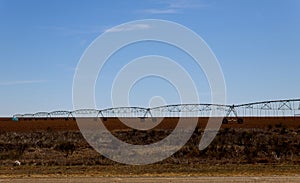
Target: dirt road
x,y
274,179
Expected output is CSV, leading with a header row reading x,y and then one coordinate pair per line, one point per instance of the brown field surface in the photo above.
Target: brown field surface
x,y
69,124
247,179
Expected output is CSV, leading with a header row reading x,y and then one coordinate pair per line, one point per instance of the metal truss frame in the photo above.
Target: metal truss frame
x,y
289,107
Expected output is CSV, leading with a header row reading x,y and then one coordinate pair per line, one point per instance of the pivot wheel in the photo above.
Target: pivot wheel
x,y
240,121
225,121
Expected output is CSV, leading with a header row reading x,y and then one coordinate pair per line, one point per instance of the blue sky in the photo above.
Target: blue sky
x,y
256,42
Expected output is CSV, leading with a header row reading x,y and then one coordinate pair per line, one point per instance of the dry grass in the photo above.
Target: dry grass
x,y
278,145
150,170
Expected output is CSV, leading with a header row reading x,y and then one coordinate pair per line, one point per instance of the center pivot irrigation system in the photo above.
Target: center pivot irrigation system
x,y
275,108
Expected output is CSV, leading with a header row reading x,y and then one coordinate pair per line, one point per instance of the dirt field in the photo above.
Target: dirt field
x,y
69,124
274,179
223,173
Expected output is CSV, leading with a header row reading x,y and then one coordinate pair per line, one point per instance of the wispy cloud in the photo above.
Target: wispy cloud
x,y
21,82
129,28
74,31
187,4
175,6
94,30
82,34
160,11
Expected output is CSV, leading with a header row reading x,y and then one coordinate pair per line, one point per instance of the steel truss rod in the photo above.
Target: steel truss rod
x,y
287,107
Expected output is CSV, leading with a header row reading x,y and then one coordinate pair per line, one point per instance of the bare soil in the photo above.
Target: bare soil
x,y
248,179
69,124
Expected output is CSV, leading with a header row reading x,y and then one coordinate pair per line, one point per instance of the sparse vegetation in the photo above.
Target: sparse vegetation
x,y
66,147
234,146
